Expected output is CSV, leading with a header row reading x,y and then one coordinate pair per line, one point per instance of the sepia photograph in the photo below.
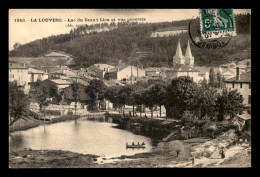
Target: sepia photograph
x,y
129,88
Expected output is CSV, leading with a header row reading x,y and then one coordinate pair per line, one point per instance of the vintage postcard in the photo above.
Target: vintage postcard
x,y
129,88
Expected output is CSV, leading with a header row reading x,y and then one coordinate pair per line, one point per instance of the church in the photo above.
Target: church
x,y
182,65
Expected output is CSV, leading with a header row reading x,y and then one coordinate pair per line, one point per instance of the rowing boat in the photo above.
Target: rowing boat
x,y
134,146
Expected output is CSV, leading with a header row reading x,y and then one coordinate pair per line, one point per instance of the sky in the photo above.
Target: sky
x,y
30,30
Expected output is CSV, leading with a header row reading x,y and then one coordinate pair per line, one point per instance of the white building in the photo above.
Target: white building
x,y
61,83
241,82
130,71
104,67
19,73
36,74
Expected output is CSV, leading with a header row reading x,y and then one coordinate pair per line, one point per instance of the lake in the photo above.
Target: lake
x,y
80,136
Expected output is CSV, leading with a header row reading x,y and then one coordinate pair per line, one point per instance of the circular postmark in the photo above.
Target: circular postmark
x,y
213,29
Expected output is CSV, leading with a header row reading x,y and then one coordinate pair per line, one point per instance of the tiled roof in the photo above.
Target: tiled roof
x,y
57,54
26,60
245,116
13,65
52,69
70,62
60,81
244,77
101,65
151,69
112,70
35,71
183,68
244,62
49,61
94,69
232,71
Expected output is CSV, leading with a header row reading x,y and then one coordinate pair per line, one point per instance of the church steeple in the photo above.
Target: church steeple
x,y
178,58
189,59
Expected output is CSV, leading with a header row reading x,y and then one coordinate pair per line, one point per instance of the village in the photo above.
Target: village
x,y
57,70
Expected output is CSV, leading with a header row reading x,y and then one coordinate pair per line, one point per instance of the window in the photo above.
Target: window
x,y
249,85
241,85
233,85
249,99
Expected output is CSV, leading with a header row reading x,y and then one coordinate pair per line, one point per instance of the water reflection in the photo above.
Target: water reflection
x,y
82,136
16,140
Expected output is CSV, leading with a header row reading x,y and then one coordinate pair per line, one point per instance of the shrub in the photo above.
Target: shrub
x,y
245,135
224,126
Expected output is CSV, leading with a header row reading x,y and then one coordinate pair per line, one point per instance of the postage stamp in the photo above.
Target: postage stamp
x,y
217,23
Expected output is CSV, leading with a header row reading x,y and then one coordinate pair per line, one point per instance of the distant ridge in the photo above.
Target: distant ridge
x,y
132,42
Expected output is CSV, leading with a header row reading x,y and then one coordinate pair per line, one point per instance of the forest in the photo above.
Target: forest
x,y
90,44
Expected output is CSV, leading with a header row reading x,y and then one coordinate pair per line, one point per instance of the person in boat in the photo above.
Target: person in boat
x,y
133,143
138,144
143,144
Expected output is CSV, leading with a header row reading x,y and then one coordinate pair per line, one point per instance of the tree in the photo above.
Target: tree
x,y
206,101
219,80
96,90
16,45
181,95
136,96
157,93
228,103
204,83
42,90
210,127
112,94
18,103
212,77
149,99
76,92
189,121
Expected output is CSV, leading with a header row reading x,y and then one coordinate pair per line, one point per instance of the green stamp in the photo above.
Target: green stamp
x,y
217,23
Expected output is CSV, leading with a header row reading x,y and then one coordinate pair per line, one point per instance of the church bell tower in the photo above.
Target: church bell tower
x,y
189,59
178,59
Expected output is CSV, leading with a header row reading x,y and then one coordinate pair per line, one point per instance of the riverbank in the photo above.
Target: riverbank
x,y
163,156
30,122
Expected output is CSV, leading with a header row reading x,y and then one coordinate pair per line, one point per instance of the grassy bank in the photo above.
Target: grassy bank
x,y
24,124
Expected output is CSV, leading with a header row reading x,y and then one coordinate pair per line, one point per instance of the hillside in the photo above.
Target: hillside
x,y
131,43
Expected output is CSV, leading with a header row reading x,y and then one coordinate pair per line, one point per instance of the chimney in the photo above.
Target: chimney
x,y
238,74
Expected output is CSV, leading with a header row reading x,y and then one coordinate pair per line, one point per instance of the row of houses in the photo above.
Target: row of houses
x,y
182,66
58,67
25,71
